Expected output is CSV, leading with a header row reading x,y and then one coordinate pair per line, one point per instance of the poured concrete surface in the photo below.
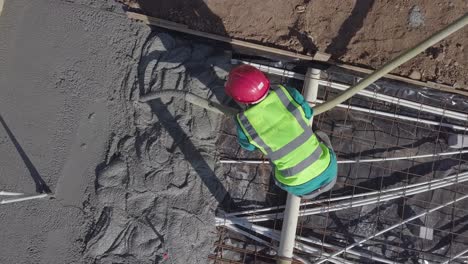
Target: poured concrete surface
x,y
133,182
62,64
158,189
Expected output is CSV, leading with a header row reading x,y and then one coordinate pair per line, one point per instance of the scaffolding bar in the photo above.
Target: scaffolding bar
x,y
3,193
423,156
463,177
343,87
403,117
393,227
459,255
458,177
291,214
14,200
274,234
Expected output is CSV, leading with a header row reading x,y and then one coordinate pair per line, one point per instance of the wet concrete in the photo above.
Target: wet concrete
x,y
158,190
62,65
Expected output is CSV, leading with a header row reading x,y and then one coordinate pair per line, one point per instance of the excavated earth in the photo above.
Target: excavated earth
x,y
365,33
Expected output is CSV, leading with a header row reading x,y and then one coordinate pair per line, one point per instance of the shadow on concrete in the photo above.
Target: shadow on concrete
x,y
41,186
349,28
191,154
195,13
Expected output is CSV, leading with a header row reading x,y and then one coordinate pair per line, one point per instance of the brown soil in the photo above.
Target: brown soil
x,y
365,32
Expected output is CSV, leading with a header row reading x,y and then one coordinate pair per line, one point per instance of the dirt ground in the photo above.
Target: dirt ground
x,y
364,33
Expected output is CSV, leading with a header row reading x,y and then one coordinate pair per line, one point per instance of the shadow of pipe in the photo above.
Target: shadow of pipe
x,y
201,16
191,154
41,186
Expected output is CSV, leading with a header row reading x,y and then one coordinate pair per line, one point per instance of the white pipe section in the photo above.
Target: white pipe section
x,y
398,101
422,156
353,252
386,98
249,235
459,255
291,214
14,200
288,230
261,241
311,84
403,117
371,94
408,187
394,63
393,227
274,234
272,70
3,193
463,177
328,200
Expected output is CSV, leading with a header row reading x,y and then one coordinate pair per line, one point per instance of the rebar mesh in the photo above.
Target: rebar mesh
x,y
435,237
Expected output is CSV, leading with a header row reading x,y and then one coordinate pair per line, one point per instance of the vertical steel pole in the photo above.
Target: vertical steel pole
x,y
291,213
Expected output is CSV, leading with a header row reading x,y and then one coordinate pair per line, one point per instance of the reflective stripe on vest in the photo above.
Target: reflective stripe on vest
x,y
289,172
293,144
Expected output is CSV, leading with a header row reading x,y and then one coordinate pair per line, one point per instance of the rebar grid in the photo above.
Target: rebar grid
x,y
226,252
440,236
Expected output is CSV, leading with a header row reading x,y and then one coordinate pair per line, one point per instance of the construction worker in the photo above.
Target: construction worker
x,y
277,122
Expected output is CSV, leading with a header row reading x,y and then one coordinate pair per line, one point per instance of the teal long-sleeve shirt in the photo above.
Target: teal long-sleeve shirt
x,y
323,179
244,141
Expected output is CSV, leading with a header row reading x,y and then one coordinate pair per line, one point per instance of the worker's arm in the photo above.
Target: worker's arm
x,y
243,140
309,112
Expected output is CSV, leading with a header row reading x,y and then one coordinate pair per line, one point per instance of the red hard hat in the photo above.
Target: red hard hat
x,y
246,84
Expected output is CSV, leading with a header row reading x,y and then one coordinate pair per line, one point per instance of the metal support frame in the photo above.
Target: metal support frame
x,y
20,199
412,157
291,214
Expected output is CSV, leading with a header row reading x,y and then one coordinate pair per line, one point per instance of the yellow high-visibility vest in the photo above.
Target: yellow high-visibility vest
x,y
278,127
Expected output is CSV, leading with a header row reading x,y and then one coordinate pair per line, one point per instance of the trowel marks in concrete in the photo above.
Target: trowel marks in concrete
x,y
157,190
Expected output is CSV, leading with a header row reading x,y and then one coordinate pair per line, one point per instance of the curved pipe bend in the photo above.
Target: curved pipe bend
x,y
191,98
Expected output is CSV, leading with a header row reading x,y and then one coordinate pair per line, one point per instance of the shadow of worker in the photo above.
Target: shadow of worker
x,y
198,16
41,186
164,57
194,13
339,45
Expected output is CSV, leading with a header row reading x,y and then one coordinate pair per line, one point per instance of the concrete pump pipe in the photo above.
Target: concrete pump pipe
x,y
391,65
191,98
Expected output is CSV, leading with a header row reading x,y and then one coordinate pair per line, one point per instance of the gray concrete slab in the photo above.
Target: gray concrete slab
x,y
62,64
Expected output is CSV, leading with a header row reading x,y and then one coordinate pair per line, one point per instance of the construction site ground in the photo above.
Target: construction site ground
x,y
132,182
365,33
